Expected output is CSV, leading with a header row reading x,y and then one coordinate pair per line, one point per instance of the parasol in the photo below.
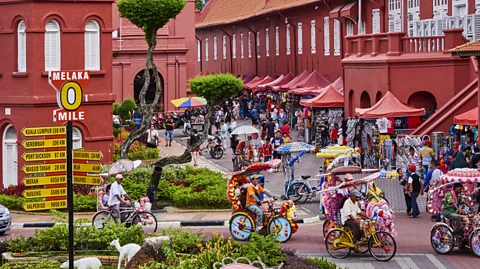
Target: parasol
x,y
245,129
188,102
122,166
295,147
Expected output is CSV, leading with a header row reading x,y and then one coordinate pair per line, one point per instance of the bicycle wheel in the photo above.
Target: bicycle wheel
x,y
441,239
281,228
147,221
475,242
241,226
382,246
217,152
101,218
327,224
337,244
297,192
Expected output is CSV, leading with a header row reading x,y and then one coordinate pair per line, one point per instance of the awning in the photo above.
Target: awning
x,y
276,86
350,11
335,12
254,80
389,107
294,81
312,80
254,86
468,118
330,97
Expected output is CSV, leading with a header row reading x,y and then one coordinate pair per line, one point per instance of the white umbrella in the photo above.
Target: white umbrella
x,y
245,129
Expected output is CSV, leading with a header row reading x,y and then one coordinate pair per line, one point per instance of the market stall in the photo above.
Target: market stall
x,y
296,80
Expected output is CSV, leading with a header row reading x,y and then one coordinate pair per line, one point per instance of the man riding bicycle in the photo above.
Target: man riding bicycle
x,y
349,215
451,208
117,198
253,201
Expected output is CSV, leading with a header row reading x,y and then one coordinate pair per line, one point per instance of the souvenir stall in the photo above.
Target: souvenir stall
x,y
466,129
377,132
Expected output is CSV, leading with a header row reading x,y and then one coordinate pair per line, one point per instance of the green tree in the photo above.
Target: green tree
x,y
199,4
125,108
150,16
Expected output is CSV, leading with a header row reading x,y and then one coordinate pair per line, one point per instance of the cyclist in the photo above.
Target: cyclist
x,y
349,215
452,210
117,198
253,201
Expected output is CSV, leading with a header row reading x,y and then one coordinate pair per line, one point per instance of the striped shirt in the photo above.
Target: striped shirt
x,y
415,160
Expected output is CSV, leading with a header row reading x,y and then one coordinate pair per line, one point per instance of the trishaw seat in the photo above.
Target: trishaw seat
x,y
306,176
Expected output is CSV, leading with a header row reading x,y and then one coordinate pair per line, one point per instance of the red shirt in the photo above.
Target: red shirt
x,y
391,122
334,134
413,122
285,129
267,149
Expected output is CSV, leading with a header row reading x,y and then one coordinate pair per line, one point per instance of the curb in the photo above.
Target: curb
x,y
163,224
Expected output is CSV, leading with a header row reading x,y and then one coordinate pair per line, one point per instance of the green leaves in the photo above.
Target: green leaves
x,y
150,15
216,88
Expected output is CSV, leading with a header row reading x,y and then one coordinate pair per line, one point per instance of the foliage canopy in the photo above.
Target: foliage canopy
x,y
216,88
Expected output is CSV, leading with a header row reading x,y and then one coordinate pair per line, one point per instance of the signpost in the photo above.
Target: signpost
x,y
62,155
39,193
55,180
56,204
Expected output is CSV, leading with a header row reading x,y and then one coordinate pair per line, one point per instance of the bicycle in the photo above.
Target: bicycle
x,y
132,215
301,188
339,239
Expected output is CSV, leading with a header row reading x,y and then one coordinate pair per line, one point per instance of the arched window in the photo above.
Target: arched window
x,y
77,138
52,46
92,46
22,47
10,157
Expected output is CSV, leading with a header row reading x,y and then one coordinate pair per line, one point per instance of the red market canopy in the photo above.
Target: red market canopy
x,y
294,81
330,97
337,84
312,80
468,118
389,106
286,79
246,85
305,90
263,87
254,86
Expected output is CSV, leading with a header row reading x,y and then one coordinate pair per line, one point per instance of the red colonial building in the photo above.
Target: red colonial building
x,y
376,46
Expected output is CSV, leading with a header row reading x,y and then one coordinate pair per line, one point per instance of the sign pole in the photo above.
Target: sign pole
x,y
70,193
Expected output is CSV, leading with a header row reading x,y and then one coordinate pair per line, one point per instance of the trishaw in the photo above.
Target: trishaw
x,y
277,221
441,237
378,232
335,191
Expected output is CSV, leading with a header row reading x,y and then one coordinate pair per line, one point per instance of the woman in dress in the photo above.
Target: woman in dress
x,y
236,109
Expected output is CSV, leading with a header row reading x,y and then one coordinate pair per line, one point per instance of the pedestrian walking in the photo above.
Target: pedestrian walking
x,y
414,189
403,181
169,125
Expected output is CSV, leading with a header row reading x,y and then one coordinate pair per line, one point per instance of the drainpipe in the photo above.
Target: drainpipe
x,y
231,49
360,23
201,51
255,45
287,21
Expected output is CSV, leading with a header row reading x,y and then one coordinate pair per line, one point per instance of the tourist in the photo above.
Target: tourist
x,y
285,128
286,138
223,132
414,158
403,181
282,117
277,141
270,126
426,154
152,137
414,189
169,126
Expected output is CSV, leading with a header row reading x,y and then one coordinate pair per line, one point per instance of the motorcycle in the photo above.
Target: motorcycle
x,y
214,146
160,121
177,119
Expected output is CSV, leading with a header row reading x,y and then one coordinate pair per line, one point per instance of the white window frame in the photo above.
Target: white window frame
x,y
249,44
206,49
9,179
224,47
77,138
242,47
92,36
287,37
21,47
477,6
349,26
267,42
457,3
326,36
336,37
375,21
300,38
52,28
277,41
440,9
258,45
215,48
395,15
199,51
234,46
313,37
413,15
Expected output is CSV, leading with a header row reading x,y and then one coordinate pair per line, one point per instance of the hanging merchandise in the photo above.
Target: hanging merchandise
x,y
382,125
369,152
403,157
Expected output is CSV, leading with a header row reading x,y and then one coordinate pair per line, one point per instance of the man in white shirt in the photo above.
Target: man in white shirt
x,y
350,215
117,198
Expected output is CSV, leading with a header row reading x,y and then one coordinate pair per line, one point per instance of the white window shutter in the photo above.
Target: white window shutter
x,y
288,38
199,51
300,38
92,46
206,49
249,44
375,21
313,37
267,42
326,36
214,47
476,26
52,46
477,6
349,28
277,41
22,48
242,47
224,47
234,46
336,37
258,45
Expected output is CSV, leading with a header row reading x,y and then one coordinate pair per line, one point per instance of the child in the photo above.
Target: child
x,y
267,150
286,139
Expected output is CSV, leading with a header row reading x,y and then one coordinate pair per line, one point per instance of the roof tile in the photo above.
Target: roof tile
x,y
473,46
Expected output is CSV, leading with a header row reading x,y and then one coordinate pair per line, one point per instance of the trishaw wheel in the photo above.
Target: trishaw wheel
x,y
326,228
441,239
281,229
241,226
382,246
338,244
475,242
297,192
101,218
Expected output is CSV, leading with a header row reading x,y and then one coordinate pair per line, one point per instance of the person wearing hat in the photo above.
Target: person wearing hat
x,y
414,158
414,189
117,198
403,183
452,211
253,201
427,155
351,213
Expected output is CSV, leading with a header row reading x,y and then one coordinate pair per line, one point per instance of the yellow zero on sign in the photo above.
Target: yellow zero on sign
x,y
33,206
71,95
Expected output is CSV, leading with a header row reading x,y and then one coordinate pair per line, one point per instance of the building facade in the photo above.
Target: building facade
x,y
41,36
376,46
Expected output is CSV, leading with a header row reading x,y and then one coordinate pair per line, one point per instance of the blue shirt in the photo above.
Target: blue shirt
x,y
224,128
426,182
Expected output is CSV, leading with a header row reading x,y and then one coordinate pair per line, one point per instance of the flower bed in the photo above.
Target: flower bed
x,y
137,151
